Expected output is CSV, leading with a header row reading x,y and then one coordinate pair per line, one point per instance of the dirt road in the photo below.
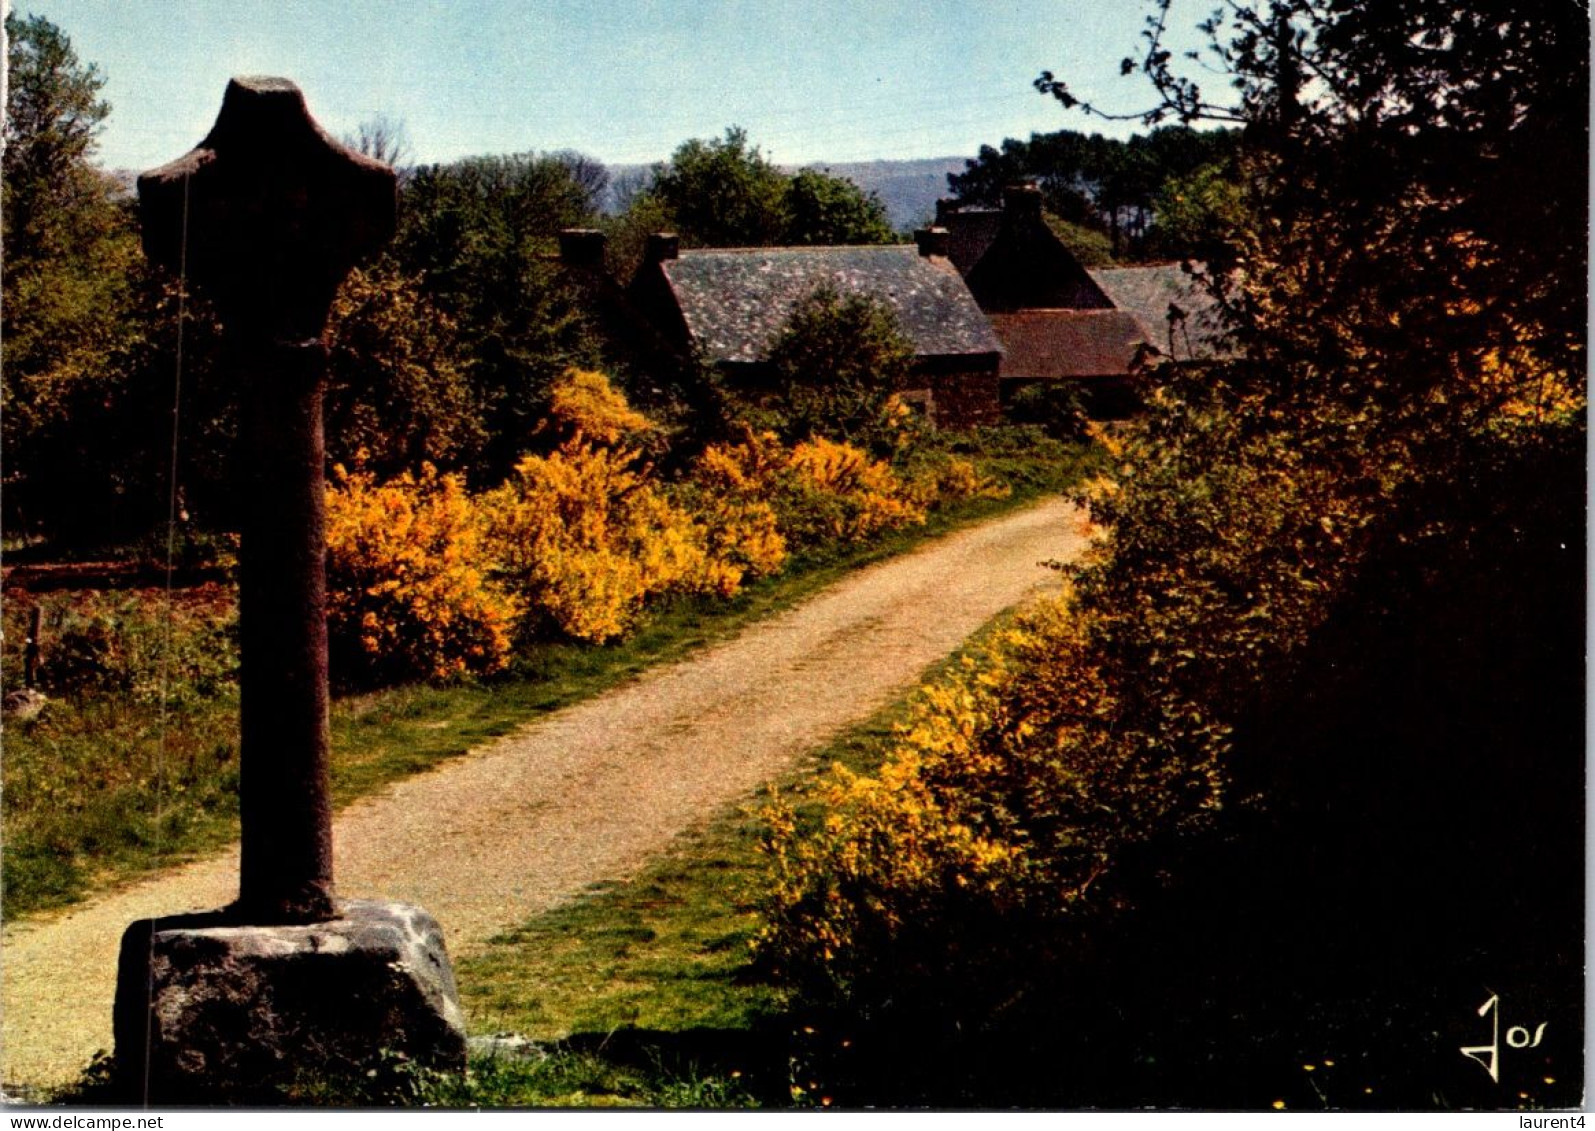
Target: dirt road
x,y
488,840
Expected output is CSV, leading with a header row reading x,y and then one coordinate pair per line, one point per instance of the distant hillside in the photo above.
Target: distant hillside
x,y
909,189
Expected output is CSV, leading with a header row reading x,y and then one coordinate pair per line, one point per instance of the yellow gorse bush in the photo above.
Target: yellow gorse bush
x,y
952,479
588,537
1008,793
409,592
585,537
428,581
729,489
585,403
767,497
868,495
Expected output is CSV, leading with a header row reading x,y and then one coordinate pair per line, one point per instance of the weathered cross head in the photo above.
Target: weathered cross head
x,y
276,212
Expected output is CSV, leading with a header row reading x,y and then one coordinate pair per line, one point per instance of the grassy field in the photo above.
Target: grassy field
x,y
133,767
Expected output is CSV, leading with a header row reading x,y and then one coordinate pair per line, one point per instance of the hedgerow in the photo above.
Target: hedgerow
x,y
818,492
1004,806
430,581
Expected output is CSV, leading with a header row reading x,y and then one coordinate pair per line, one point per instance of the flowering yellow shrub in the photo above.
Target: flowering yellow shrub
x,y
585,404
953,479
865,496
887,848
586,538
815,493
900,429
430,582
408,592
1004,800
726,493
1527,390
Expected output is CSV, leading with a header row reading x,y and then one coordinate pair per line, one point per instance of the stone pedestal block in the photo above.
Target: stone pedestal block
x,y
209,1011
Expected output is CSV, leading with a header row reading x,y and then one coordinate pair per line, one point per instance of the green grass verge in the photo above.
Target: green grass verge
x,y
102,788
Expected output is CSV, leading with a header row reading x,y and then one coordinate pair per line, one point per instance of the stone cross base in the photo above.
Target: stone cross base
x,y
211,1012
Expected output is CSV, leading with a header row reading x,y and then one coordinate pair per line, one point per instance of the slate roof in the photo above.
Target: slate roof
x,y
1148,292
1055,344
735,300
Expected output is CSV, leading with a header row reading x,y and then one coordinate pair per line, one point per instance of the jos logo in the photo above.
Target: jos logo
x,y
1517,1037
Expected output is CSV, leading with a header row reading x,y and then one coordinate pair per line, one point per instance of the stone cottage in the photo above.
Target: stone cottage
x,y
1060,322
731,303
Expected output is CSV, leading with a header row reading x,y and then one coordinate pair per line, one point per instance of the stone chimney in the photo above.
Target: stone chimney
x,y
1022,200
662,246
581,247
932,241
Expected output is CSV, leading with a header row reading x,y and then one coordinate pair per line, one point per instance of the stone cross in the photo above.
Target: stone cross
x,y
267,215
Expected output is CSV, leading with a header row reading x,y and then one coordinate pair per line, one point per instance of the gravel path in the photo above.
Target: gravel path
x,y
487,841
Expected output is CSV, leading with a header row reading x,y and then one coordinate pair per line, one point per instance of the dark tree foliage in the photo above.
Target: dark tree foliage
x,y
475,220
53,115
1102,183
1367,117
722,192
480,237
442,351
1358,550
88,329
836,362
399,392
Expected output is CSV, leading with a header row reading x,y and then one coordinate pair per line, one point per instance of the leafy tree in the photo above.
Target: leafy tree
x,y
1060,176
467,225
837,361
722,192
1323,649
628,232
55,200
1098,182
1197,216
823,210
1410,408
480,236
1408,416
72,257
399,394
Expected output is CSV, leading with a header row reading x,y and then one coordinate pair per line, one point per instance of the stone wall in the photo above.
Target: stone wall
x,y
964,392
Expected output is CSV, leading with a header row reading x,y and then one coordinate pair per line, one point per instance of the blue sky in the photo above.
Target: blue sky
x,y
622,80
